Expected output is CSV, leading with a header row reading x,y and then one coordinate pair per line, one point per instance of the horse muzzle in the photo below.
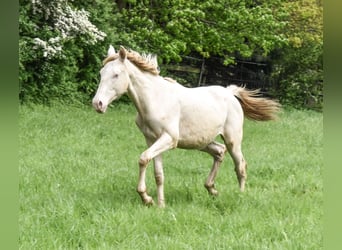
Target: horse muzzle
x,y
99,106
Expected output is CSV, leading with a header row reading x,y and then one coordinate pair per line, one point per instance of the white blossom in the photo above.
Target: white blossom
x,y
50,48
74,22
68,23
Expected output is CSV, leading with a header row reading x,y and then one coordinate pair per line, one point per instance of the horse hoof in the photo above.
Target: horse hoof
x,y
214,192
149,201
161,205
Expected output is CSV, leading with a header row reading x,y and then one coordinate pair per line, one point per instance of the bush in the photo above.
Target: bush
x,y
58,50
298,77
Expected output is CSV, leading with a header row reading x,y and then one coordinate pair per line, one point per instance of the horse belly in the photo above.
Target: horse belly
x,y
197,131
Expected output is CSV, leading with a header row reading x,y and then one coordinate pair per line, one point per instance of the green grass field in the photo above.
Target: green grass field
x,y
78,176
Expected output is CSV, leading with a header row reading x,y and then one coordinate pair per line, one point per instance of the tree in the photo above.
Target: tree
x,y
62,43
298,67
222,28
55,39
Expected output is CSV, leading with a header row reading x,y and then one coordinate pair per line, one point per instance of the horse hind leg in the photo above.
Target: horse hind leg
x,y
240,168
217,151
233,144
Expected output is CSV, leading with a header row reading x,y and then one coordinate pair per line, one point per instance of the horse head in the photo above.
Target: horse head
x,y
114,79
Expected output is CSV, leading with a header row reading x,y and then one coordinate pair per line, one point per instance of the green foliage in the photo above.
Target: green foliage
x,y
62,43
60,65
78,172
300,77
298,67
207,27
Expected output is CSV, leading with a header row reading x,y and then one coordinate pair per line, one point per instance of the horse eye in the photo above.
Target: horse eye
x,y
115,75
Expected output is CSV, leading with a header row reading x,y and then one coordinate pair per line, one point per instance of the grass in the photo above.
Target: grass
x,y
78,176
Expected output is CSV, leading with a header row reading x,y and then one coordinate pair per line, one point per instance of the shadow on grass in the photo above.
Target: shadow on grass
x,y
109,195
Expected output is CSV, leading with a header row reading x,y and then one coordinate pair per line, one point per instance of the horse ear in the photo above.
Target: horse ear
x,y
122,53
111,50
155,60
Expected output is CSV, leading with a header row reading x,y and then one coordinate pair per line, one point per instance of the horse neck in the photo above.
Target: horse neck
x,y
142,89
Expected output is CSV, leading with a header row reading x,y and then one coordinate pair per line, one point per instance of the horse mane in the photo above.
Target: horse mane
x,y
145,62
169,79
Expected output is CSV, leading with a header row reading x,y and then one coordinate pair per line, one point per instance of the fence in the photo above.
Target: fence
x,y
195,72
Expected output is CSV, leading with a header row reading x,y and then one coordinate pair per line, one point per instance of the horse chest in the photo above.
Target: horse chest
x,y
152,127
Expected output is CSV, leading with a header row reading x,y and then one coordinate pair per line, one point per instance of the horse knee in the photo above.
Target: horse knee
x,y
144,160
217,150
221,153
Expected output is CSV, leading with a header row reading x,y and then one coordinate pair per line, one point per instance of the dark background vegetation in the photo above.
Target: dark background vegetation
x,y
273,45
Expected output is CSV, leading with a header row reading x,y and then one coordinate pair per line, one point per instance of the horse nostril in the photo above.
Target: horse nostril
x,y
100,104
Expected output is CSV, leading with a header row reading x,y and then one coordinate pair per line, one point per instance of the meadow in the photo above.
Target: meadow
x,y
78,173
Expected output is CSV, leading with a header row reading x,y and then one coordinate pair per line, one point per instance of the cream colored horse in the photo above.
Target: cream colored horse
x,y
171,115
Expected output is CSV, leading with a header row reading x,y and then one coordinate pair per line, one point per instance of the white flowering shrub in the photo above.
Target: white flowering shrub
x,y
67,22
75,22
50,48
61,45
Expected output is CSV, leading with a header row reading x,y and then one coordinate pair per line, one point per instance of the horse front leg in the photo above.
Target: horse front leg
x,y
159,176
164,143
141,189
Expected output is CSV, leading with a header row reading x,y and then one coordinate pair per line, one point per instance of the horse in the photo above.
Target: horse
x,y
170,115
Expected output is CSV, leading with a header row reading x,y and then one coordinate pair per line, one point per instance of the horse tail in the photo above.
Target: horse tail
x,y
254,106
